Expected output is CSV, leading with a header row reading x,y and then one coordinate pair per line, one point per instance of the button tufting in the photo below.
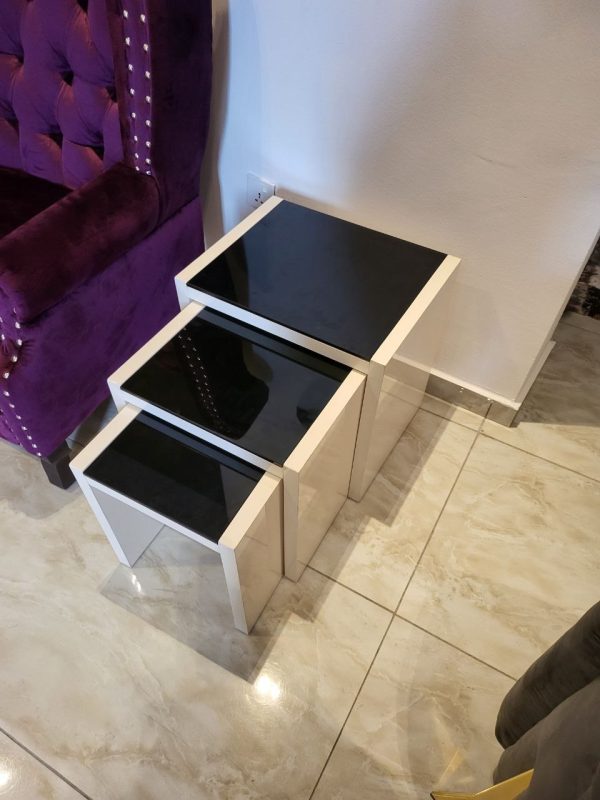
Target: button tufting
x,y
55,76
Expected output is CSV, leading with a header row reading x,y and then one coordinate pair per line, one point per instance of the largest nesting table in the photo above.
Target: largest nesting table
x,y
300,354
365,299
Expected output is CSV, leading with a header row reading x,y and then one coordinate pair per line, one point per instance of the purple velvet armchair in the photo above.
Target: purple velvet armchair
x,y
103,120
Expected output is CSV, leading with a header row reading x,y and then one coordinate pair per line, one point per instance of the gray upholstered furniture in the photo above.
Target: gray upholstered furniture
x,y
550,720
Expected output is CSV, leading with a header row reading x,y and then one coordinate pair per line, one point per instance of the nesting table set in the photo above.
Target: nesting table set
x,y
300,354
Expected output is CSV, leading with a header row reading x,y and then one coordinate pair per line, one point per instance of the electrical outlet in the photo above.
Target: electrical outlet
x,y
258,190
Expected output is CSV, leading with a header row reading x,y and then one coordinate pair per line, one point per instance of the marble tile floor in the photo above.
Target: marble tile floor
x,y
378,675
558,420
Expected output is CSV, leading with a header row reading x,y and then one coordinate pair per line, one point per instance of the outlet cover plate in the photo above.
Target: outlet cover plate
x,y
258,190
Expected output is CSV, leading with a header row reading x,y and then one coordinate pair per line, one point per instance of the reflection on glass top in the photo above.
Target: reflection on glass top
x,y
331,280
252,389
175,474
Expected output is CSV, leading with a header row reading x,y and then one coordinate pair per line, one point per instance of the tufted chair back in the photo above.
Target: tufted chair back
x,y
85,84
58,116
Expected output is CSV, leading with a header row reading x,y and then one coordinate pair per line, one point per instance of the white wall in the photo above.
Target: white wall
x,y
470,126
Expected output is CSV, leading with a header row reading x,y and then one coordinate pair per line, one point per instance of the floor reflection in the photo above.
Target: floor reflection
x,y
179,587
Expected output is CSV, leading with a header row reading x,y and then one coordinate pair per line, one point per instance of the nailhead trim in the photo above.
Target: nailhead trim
x,y
6,393
129,20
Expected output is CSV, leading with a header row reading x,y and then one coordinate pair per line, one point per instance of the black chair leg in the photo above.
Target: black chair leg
x,y
56,467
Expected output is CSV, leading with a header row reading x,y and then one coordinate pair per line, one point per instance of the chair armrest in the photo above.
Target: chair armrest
x,y
76,238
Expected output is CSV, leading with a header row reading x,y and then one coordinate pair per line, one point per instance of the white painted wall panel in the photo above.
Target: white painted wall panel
x,y
472,127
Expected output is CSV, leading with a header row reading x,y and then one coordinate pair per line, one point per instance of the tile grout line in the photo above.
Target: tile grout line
x,y
435,524
45,764
454,421
542,458
393,617
456,647
350,589
411,622
351,709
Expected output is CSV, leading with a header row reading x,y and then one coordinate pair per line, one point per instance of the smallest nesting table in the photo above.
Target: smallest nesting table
x,y
140,474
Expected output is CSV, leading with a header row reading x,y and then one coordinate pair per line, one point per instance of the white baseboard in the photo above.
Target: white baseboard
x,y
507,402
478,390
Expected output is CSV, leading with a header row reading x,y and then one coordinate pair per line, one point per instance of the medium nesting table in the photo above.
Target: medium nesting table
x,y
300,354
236,439
275,405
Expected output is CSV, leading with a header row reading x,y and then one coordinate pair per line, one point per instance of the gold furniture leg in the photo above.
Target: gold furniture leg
x,y
507,790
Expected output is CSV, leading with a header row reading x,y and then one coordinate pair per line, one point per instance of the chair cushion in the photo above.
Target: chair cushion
x,y
563,749
75,238
22,196
570,664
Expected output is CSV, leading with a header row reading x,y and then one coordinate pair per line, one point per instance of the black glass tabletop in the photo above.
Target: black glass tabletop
x,y
177,475
334,281
247,387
